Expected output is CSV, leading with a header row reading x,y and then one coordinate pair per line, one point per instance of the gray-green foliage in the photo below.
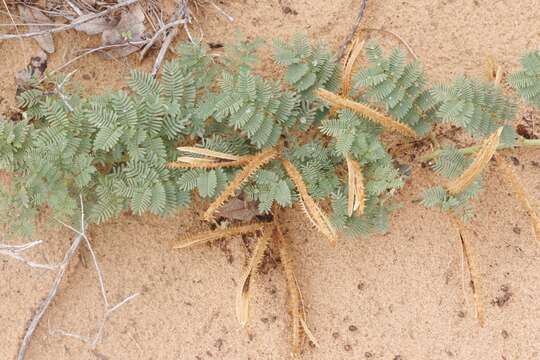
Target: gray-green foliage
x,y
113,149
450,164
527,81
397,86
478,107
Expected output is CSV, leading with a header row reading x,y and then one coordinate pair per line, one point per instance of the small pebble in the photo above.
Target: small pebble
x,y
353,328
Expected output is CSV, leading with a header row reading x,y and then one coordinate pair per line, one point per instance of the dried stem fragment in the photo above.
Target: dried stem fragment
x,y
520,193
313,211
243,295
479,164
218,234
373,115
356,197
354,51
292,289
208,153
468,251
252,166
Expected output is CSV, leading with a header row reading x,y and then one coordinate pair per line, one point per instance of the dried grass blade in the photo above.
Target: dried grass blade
x,y
373,115
208,164
303,316
356,196
191,160
294,298
207,152
520,193
494,71
479,164
313,211
243,295
252,166
218,234
354,51
468,251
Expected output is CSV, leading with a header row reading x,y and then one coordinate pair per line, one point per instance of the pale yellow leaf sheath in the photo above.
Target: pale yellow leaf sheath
x,y
356,196
218,234
521,195
294,298
243,295
470,256
374,115
479,164
252,166
312,210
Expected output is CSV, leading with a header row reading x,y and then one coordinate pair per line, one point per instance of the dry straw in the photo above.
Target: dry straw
x,y
374,115
252,166
356,197
312,210
479,164
521,195
468,251
218,234
244,294
354,51
292,289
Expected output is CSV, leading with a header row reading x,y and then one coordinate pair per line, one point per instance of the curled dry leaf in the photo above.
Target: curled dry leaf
x,y
238,209
34,16
130,28
24,78
244,295
97,26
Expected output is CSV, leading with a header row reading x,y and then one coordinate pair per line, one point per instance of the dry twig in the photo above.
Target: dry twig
x,y
15,250
43,306
354,29
182,13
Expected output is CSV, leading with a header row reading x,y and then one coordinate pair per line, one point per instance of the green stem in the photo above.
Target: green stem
x,y
472,149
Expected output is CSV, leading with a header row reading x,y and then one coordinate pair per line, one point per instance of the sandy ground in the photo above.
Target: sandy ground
x,y
401,295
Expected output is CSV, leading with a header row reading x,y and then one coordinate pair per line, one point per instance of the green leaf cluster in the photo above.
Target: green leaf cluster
x,y
113,149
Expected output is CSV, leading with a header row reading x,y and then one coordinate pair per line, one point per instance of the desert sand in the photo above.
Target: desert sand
x,y
400,295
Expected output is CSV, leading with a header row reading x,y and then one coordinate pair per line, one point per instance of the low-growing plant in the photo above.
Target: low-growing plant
x,y
215,129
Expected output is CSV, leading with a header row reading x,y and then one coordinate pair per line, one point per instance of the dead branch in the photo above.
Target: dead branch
x,y
91,51
80,20
156,36
182,13
354,29
15,250
42,308
220,10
